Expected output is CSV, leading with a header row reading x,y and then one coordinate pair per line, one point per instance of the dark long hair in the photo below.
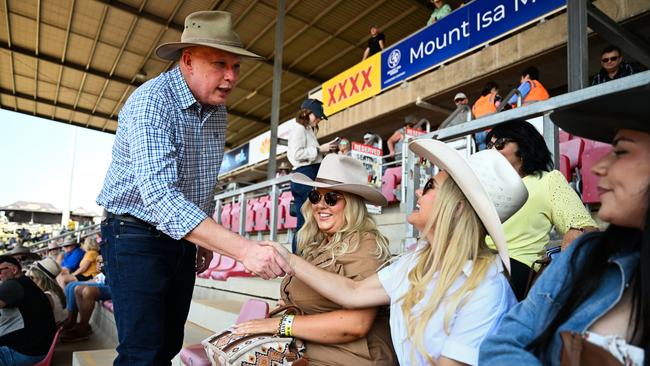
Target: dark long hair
x,y
587,278
533,152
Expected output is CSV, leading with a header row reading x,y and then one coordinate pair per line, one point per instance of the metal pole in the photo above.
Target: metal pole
x,y
65,216
552,137
273,223
275,98
577,46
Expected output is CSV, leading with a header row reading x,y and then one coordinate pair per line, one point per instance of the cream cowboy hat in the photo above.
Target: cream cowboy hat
x,y
490,183
49,266
206,28
344,174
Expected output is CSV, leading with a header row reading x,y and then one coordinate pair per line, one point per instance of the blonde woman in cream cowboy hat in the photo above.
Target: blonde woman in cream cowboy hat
x,y
340,237
452,291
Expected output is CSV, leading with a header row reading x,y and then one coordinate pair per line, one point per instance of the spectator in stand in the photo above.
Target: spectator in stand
x,y
44,273
551,201
87,267
23,254
442,9
344,147
594,297
451,292
27,324
462,112
372,139
72,255
54,252
376,42
488,102
614,67
82,297
530,88
339,236
283,169
396,140
304,152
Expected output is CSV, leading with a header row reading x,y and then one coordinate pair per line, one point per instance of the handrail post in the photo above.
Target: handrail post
x,y
242,213
273,224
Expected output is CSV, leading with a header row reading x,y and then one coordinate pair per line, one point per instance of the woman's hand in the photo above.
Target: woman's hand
x,y
268,325
279,248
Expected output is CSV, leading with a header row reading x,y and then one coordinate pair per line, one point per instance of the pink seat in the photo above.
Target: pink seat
x,y
226,263
262,212
50,354
589,179
108,304
250,215
391,179
289,222
591,144
234,217
565,167
226,219
238,270
573,150
252,309
216,258
564,136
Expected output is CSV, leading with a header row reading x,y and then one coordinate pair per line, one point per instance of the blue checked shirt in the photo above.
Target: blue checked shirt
x,y
166,156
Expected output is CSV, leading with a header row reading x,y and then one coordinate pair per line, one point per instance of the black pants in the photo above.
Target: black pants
x,y
300,193
519,278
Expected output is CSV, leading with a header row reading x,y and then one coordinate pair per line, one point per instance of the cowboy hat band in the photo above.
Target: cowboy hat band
x,y
344,174
206,28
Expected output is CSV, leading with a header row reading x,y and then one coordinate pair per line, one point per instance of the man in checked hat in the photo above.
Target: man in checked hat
x,y
158,192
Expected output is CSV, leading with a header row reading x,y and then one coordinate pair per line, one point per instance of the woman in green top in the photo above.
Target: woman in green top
x,y
442,10
551,201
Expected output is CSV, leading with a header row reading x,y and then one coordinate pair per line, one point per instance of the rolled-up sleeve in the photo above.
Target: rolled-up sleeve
x,y
154,159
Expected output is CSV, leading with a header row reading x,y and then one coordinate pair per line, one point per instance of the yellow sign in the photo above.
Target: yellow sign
x,y
352,86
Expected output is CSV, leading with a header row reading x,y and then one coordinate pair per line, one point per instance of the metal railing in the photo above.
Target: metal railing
x,y
66,238
505,100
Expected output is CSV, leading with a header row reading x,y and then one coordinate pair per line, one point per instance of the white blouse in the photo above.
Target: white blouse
x,y
303,147
478,317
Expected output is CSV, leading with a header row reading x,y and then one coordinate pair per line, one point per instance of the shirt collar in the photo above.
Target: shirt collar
x,y
181,89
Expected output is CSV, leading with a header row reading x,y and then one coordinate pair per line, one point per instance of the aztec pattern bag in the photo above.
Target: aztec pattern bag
x,y
228,349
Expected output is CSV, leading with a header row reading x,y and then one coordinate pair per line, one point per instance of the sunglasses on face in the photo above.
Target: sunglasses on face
x,y
331,198
606,59
499,143
429,185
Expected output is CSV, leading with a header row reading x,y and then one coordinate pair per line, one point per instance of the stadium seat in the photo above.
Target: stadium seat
x,y
50,354
591,144
390,181
194,355
238,270
573,150
108,304
290,222
249,227
226,219
216,258
262,212
234,217
565,167
589,179
564,136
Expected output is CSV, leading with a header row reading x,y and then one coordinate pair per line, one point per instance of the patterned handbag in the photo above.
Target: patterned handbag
x,y
228,349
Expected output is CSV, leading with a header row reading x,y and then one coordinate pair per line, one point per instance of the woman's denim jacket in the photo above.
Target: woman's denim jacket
x,y
530,317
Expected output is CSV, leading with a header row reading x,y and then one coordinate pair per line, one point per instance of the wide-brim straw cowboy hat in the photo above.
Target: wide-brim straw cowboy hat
x,y
600,118
488,181
49,266
206,28
344,174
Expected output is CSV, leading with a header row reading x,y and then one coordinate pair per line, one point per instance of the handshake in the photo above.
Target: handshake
x,y
268,260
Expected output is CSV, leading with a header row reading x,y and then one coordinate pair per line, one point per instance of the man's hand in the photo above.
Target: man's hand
x,y
203,259
265,261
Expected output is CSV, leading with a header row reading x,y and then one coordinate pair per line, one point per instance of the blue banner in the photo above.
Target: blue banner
x,y
464,29
235,158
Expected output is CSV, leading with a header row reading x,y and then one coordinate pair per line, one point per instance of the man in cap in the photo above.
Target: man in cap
x,y
26,320
159,189
461,114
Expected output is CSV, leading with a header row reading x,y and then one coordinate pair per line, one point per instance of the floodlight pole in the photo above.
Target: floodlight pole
x,y
275,98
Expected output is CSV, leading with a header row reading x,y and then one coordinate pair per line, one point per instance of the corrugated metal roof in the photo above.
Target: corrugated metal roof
x,y
76,61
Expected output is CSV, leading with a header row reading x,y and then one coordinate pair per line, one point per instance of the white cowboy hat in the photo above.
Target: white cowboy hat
x,y
490,183
49,266
206,28
344,174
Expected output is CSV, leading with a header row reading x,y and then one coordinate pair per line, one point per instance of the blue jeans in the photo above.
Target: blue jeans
x,y
104,292
151,277
9,357
480,138
300,193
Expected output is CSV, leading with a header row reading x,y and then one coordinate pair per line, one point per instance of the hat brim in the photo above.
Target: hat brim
x,y
459,170
600,118
369,194
172,51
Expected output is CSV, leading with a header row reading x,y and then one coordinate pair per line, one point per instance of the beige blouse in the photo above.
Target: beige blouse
x,y
376,347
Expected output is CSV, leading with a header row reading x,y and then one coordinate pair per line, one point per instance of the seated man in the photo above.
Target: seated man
x,y
81,298
26,320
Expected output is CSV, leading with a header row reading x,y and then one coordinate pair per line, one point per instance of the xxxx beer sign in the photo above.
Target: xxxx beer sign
x,y
352,86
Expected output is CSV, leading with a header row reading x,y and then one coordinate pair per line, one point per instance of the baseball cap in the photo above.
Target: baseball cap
x,y
460,96
315,106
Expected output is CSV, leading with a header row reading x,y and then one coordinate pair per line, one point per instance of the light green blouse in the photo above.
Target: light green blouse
x,y
551,202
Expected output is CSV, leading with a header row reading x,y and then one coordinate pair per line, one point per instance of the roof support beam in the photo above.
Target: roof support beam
x,y
614,33
577,46
178,27
63,54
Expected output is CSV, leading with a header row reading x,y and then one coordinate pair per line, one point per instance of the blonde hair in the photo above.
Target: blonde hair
x,y
46,283
458,236
357,222
90,244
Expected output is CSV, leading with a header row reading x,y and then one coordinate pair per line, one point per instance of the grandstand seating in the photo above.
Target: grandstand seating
x,y
564,136
50,354
216,258
250,215
288,221
390,181
234,217
565,167
589,179
226,218
573,150
262,212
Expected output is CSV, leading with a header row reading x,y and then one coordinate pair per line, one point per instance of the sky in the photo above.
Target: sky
x,y
36,157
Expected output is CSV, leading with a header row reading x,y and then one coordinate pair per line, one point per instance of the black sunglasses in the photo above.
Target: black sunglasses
x,y
499,143
331,198
606,60
429,185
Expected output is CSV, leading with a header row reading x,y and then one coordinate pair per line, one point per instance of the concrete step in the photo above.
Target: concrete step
x,y
251,286
217,314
